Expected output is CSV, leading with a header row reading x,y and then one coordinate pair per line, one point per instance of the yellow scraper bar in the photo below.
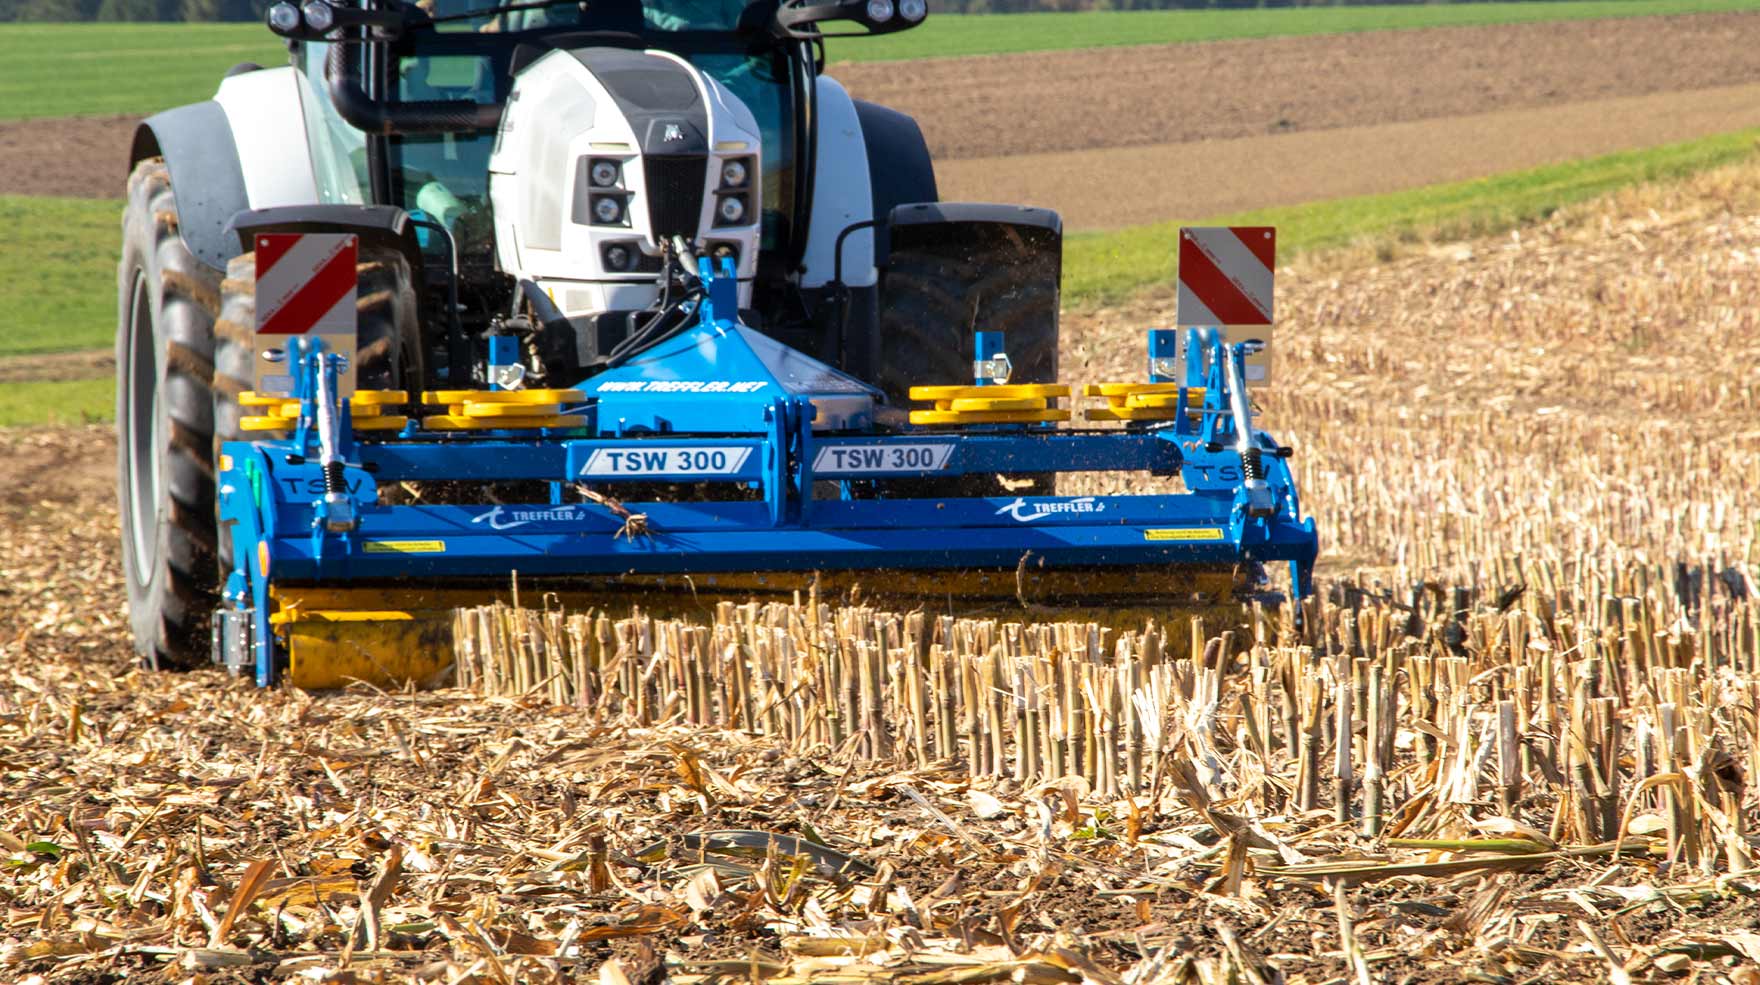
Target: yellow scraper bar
x,y
331,648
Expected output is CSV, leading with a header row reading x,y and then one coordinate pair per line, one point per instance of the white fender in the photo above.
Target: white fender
x,y
841,193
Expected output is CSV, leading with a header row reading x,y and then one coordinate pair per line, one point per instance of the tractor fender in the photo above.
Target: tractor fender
x,y
901,171
841,198
196,143
234,152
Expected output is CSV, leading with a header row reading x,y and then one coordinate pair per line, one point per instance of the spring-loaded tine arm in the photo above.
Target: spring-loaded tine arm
x,y
1259,499
339,512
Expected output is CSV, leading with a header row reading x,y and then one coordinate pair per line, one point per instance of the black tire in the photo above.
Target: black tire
x,y
387,351
167,301
930,305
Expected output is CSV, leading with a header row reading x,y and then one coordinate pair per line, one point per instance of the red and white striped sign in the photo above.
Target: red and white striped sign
x,y
305,283
1226,275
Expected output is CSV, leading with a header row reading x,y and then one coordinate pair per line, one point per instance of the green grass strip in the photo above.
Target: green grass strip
x,y
62,402
103,69
58,273
1108,267
953,36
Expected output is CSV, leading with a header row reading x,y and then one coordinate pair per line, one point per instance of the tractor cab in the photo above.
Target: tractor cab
x,y
508,135
472,55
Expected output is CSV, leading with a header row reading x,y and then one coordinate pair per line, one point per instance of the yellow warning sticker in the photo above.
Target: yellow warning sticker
x,y
404,547
1183,533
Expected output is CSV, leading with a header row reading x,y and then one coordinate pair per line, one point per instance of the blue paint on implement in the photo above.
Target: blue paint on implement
x,y
722,405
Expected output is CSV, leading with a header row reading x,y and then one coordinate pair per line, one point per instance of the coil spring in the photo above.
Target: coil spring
x,y
1252,464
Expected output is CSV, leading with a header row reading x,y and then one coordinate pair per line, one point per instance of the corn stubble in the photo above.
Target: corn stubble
x,y
1517,739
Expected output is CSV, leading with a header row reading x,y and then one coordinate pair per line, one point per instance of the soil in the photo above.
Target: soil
x,y
1219,177
1038,102
74,157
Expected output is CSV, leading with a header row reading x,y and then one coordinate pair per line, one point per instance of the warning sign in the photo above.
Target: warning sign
x,y
305,286
1227,276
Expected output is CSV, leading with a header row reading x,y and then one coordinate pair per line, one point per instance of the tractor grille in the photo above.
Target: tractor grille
x,y
675,194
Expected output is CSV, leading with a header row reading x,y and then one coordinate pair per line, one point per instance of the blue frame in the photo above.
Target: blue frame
x,y
272,502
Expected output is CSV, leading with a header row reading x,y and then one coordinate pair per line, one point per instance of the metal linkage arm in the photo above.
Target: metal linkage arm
x,y
1259,500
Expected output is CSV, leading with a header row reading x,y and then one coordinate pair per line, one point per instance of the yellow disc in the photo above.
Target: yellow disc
x,y
990,403
505,410
1132,414
987,416
453,422
503,397
251,398
382,422
289,410
264,424
379,398
1167,400
1126,389
1000,391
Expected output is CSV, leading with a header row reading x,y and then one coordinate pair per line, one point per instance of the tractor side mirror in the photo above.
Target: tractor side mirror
x,y
799,19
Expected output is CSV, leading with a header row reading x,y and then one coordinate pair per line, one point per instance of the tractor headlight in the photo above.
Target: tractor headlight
x,y
913,10
880,11
730,210
603,173
734,174
320,16
619,258
283,18
607,210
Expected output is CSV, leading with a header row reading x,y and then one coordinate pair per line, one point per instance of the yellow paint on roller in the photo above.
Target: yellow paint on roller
x,y
328,649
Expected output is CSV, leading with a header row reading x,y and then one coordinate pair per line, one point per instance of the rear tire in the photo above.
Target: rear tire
x,y
183,355
166,304
930,306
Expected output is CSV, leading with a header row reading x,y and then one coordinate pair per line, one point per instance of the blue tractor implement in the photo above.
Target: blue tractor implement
x,y
776,469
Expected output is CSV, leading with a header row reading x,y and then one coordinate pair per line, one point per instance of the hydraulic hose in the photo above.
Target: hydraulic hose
x,y
370,115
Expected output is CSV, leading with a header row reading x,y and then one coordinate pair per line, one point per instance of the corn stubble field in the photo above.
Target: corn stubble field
x,y
1517,742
